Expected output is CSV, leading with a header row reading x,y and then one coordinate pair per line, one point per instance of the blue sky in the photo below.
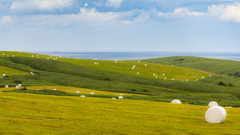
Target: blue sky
x,y
120,25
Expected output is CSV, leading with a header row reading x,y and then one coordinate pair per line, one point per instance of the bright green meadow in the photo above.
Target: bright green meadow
x,y
48,101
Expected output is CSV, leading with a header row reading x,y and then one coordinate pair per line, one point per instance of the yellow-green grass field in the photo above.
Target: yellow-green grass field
x,y
73,90
30,114
151,70
11,71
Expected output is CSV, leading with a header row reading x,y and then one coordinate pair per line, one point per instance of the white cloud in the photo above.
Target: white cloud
x,y
114,3
87,16
179,12
86,4
42,5
6,20
226,12
99,3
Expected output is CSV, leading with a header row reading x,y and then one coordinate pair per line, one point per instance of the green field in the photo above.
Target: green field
x,y
36,108
39,114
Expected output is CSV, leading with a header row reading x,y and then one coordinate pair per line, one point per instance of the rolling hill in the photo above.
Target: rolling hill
x,y
36,108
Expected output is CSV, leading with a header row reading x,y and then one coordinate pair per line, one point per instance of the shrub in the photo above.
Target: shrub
x,y
230,85
133,90
18,81
24,88
222,83
145,90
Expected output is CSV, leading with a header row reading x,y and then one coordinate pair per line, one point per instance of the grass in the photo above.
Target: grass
x,y
211,65
72,90
58,73
11,71
40,110
123,67
42,114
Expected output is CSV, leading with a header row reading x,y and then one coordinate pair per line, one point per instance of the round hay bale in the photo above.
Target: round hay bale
x,y
215,114
213,103
176,101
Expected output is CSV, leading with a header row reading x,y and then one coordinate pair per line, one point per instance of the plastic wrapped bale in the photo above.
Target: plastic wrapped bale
x,y
176,101
92,93
6,86
120,97
82,96
77,92
215,114
213,103
20,85
17,87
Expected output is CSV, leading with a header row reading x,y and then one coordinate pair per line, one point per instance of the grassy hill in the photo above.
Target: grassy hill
x,y
111,76
36,108
227,67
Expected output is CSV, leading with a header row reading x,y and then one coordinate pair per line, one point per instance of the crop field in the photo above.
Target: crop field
x,y
148,86
41,114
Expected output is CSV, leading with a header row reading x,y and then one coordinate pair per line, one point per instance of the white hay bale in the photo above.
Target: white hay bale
x,y
186,79
202,77
6,86
165,78
215,114
138,73
139,61
13,56
113,98
17,87
156,76
92,93
32,56
153,74
210,75
82,96
172,79
145,64
213,103
4,75
176,101
120,97
3,54
54,89
20,85
115,61
77,91
163,74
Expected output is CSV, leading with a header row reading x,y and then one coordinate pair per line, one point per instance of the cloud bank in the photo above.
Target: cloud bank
x,y
226,12
41,5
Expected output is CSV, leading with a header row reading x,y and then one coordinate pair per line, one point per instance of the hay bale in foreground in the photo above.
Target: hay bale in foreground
x,y
215,114
176,101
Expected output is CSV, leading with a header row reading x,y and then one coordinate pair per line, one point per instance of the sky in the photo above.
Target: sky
x,y
120,25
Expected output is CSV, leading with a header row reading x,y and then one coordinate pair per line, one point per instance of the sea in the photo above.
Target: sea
x,y
141,55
